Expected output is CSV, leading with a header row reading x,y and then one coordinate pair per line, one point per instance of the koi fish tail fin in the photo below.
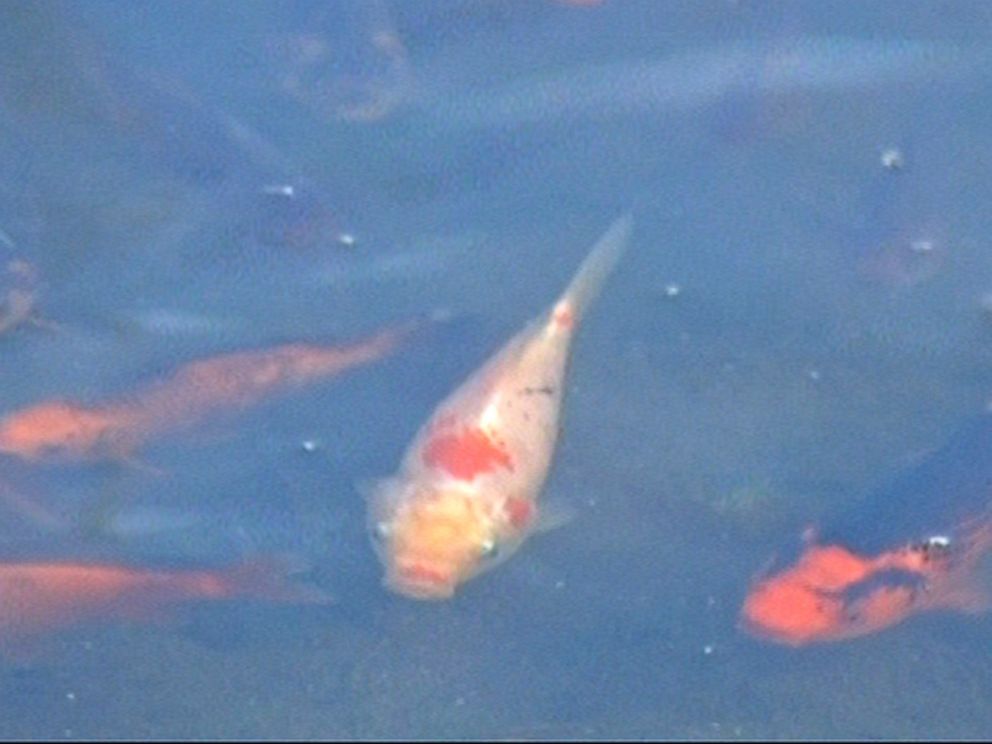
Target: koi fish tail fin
x,y
962,592
965,587
593,272
422,324
383,342
387,340
272,579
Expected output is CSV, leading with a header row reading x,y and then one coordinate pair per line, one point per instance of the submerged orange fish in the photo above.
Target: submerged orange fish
x,y
41,597
465,497
66,429
913,548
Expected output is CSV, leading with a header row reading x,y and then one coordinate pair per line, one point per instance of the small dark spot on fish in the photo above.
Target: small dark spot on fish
x,y
546,390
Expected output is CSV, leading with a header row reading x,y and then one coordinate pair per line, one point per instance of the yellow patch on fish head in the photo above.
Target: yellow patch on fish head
x,y
436,540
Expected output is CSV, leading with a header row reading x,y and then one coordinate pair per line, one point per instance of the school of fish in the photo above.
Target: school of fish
x,y
467,492
465,498
39,595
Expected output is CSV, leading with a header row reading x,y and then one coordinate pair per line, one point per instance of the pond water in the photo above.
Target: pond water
x,y
802,313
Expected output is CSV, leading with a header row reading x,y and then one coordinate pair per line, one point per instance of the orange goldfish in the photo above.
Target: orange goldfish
x,y
61,429
465,497
912,548
45,596
832,593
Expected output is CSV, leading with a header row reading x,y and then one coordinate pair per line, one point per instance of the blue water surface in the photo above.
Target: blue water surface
x,y
803,312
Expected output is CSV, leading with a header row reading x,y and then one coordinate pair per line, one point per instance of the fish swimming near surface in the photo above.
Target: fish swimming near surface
x,y
700,77
465,496
63,429
915,546
41,597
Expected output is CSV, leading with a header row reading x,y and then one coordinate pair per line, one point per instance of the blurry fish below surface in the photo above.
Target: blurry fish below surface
x,y
41,597
350,64
465,497
164,321
257,521
916,545
421,263
20,298
701,77
64,429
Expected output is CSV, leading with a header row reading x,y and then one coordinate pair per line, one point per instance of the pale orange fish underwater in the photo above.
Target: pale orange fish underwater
x,y
42,597
63,429
465,497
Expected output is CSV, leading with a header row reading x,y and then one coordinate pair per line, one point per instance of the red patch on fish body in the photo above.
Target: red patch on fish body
x,y
466,454
563,316
520,512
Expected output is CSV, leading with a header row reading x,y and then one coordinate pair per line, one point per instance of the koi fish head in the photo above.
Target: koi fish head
x,y
832,594
52,429
432,541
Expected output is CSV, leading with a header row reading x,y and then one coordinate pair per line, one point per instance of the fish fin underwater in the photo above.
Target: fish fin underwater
x,y
274,578
554,515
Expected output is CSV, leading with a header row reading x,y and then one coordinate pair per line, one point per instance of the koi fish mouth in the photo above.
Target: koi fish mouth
x,y
421,581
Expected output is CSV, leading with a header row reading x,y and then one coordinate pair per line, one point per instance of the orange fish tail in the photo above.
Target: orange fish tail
x,y
307,362
269,578
378,345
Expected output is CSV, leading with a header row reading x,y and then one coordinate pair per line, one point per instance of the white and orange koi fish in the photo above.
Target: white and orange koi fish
x,y
465,497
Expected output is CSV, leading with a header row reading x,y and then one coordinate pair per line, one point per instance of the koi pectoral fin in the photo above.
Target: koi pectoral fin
x,y
368,487
374,489
554,515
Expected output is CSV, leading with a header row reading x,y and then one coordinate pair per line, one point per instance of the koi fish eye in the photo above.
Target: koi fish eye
x,y
489,549
936,545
